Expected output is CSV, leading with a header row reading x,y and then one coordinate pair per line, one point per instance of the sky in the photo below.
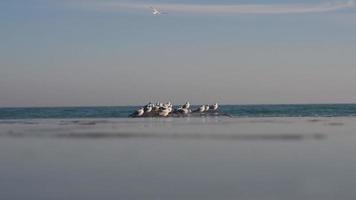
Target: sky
x,y
115,52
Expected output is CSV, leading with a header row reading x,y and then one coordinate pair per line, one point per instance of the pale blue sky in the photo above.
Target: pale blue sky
x,y
90,52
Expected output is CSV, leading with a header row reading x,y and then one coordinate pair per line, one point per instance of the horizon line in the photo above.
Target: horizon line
x,y
223,104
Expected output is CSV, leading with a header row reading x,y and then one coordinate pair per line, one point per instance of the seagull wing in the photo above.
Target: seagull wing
x,y
154,10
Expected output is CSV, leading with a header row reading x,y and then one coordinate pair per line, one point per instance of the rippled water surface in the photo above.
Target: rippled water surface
x,y
185,158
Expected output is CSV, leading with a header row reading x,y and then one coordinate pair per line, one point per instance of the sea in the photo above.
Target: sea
x,y
261,152
253,111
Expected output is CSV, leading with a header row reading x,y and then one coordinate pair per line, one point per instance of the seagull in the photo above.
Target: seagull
x,y
163,112
186,105
156,11
206,108
169,107
147,109
182,110
201,109
214,106
155,108
139,112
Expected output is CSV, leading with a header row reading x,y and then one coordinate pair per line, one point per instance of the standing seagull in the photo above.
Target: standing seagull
x,y
138,113
206,108
163,112
186,105
201,109
214,107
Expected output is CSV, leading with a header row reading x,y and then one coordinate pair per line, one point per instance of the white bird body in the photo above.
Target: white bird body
x,y
155,108
139,112
186,105
183,110
155,11
163,112
202,108
206,108
148,109
215,106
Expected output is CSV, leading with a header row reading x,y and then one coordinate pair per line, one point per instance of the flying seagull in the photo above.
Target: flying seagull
x,y
155,11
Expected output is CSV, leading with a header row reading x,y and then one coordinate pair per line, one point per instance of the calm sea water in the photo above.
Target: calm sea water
x,y
179,159
306,110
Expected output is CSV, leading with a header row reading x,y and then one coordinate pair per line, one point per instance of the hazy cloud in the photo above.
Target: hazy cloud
x,y
230,8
